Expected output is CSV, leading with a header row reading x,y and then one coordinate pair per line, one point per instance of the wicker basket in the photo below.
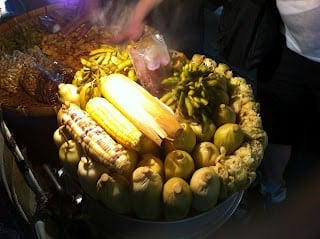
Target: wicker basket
x,y
55,9
21,102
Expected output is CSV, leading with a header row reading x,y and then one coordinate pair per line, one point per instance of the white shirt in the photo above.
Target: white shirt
x,y
301,19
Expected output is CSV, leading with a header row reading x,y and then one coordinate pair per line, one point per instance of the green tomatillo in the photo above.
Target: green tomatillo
x,y
70,153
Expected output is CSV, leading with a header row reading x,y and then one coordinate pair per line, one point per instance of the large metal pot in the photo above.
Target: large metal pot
x,y
13,180
103,223
106,224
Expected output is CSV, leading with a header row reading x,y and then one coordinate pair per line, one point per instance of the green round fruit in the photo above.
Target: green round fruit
x,y
224,114
205,154
70,154
205,187
177,198
178,163
203,132
229,136
185,139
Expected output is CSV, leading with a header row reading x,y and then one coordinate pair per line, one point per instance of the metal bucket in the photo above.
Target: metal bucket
x,y
102,223
106,224
17,189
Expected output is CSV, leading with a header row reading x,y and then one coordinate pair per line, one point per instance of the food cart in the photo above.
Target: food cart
x,y
45,193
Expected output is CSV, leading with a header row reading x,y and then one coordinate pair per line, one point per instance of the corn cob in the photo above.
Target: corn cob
x,y
115,123
114,192
177,198
147,113
205,186
95,141
146,192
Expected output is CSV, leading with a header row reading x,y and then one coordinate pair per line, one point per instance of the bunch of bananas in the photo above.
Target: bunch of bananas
x,y
105,61
197,88
209,97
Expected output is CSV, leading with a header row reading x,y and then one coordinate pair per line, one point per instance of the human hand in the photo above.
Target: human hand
x,y
131,31
134,26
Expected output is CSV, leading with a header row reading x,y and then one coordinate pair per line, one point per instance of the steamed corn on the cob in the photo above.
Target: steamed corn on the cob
x,y
147,113
115,123
95,141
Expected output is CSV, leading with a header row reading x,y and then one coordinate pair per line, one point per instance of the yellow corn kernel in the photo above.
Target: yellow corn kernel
x,y
147,113
115,123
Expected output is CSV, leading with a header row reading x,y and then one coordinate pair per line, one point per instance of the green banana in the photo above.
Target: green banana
x,y
192,86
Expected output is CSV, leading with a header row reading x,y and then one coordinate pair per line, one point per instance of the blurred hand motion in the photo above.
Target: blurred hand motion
x,y
88,13
125,20
133,28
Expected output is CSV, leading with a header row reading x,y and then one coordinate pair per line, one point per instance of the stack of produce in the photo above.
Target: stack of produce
x,y
30,32
150,158
160,159
104,61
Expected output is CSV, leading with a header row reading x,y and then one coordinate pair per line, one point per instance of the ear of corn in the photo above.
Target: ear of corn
x,y
114,192
145,111
95,141
146,192
115,123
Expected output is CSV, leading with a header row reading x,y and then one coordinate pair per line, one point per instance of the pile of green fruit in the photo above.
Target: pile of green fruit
x,y
221,110
214,153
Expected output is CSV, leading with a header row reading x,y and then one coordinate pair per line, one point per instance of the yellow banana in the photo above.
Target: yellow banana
x,y
124,64
189,106
106,59
98,58
105,49
115,60
88,91
132,74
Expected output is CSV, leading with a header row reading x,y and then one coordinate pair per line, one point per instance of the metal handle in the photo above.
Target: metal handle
x,y
20,160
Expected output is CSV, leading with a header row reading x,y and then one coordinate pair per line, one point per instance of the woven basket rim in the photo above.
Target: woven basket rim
x,y
12,21
21,103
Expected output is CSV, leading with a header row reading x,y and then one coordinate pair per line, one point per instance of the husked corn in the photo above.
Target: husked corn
x,y
115,123
148,114
95,141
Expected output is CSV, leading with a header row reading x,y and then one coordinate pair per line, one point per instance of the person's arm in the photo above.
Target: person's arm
x,y
134,27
